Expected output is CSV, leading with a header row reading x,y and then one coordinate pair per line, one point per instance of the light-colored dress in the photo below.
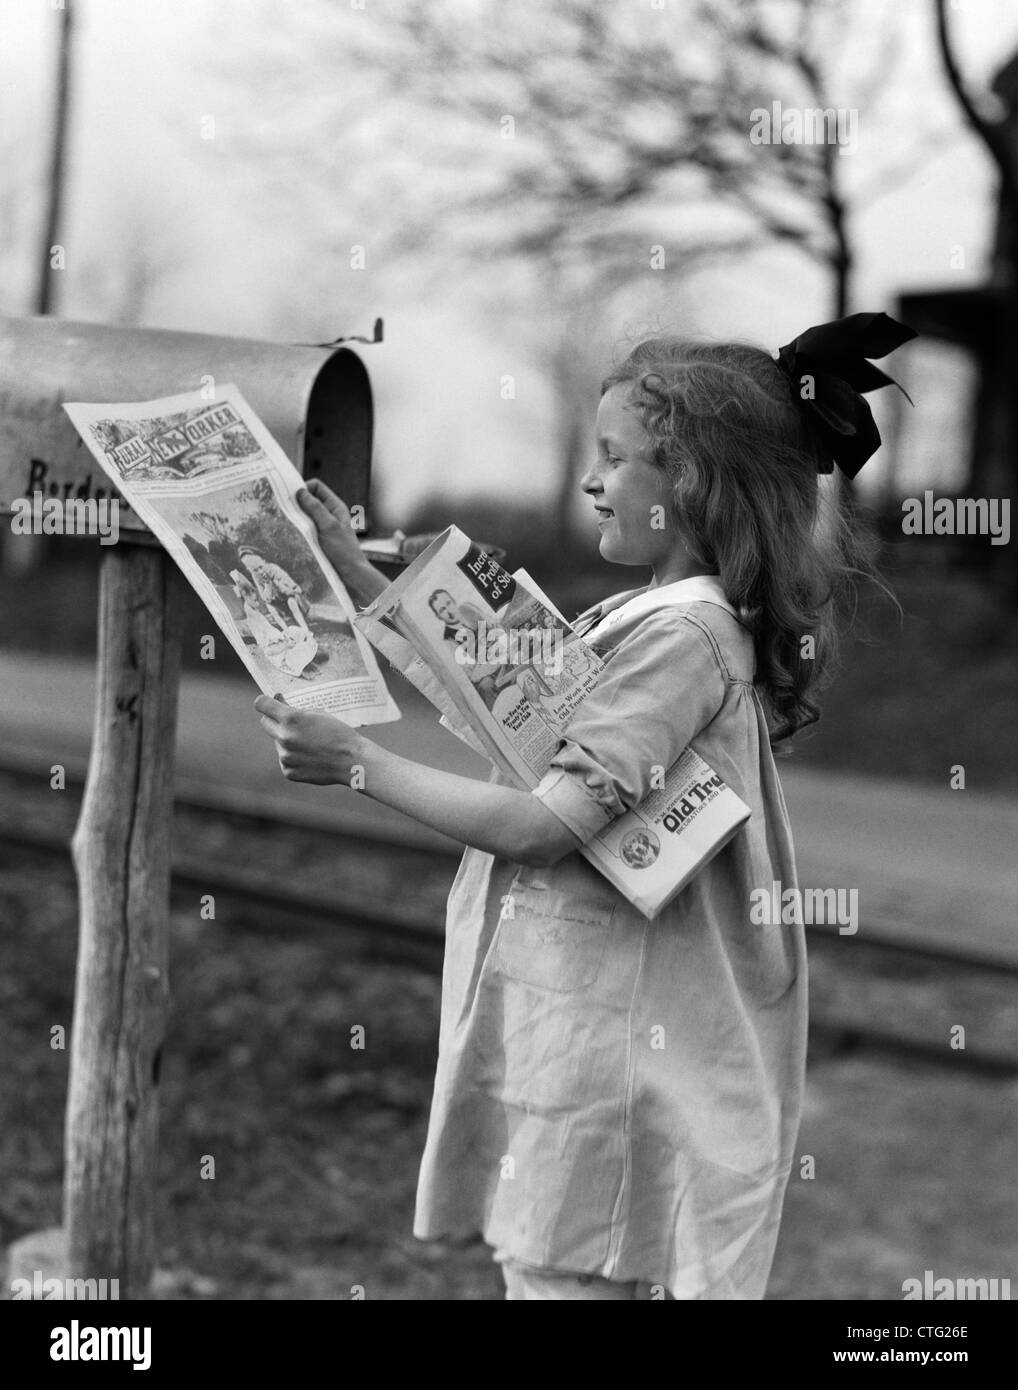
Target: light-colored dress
x,y
615,1096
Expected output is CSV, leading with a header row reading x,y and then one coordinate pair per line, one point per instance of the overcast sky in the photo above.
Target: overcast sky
x,y
231,241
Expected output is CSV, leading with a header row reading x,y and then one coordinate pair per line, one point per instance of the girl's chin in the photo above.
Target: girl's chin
x,y
616,552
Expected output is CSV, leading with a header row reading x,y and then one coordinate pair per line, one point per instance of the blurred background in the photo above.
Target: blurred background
x,y
523,191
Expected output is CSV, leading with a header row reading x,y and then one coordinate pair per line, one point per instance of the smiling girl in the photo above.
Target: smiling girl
x,y
617,1100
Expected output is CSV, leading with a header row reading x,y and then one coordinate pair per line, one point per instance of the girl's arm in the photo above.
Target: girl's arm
x,y
322,750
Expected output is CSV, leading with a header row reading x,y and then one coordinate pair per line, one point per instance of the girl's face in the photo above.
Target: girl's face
x,y
631,494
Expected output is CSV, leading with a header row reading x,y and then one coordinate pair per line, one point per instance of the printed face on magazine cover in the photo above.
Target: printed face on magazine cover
x,y
461,619
626,486
443,605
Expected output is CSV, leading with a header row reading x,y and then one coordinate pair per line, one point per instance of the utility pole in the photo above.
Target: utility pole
x,y
44,294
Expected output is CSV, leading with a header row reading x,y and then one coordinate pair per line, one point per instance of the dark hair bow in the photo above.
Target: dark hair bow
x,y
833,356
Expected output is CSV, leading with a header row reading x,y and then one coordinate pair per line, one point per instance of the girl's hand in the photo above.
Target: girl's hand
x,y
338,539
315,748
336,534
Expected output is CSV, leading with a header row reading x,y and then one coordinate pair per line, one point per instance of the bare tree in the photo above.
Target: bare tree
x,y
996,439
551,136
563,151
993,134
511,171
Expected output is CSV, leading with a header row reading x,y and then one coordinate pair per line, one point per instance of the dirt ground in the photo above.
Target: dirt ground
x,y
316,1144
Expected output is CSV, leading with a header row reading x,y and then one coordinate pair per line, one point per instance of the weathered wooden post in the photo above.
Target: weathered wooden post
x,y
316,400
121,850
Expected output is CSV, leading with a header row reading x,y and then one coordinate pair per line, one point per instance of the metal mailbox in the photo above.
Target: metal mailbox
x,y
314,399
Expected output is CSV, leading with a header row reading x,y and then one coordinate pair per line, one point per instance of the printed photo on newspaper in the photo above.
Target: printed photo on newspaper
x,y
507,672
210,481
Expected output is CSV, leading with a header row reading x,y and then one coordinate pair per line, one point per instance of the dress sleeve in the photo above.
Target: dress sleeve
x,y
660,687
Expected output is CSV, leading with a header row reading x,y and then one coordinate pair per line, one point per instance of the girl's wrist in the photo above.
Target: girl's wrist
x,y
361,762
360,578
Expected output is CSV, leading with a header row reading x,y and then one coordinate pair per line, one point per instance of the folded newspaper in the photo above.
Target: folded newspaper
x,y
209,480
507,672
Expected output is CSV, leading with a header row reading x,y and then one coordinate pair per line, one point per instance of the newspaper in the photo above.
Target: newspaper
x,y
507,673
217,490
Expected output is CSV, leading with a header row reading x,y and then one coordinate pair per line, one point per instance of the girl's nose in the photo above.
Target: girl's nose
x,y
589,481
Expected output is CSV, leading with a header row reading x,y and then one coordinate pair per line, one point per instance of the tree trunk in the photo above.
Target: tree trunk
x,y
842,264
1001,430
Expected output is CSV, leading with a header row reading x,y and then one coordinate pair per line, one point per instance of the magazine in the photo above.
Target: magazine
x,y
217,490
507,673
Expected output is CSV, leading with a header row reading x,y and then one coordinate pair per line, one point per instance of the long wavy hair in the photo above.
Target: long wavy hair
x,y
743,461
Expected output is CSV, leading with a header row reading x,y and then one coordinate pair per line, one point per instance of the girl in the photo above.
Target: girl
x,y
616,1100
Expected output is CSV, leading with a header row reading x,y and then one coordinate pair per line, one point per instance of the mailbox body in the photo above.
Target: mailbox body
x,y
315,401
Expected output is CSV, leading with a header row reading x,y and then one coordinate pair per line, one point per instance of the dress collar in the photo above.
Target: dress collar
x,y
699,588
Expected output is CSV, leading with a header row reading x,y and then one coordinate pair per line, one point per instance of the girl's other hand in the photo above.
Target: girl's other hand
x,y
315,748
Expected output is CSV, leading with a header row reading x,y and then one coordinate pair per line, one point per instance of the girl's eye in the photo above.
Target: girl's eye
x,y
613,458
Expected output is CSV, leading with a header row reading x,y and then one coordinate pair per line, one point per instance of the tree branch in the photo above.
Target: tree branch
x,y
991,135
